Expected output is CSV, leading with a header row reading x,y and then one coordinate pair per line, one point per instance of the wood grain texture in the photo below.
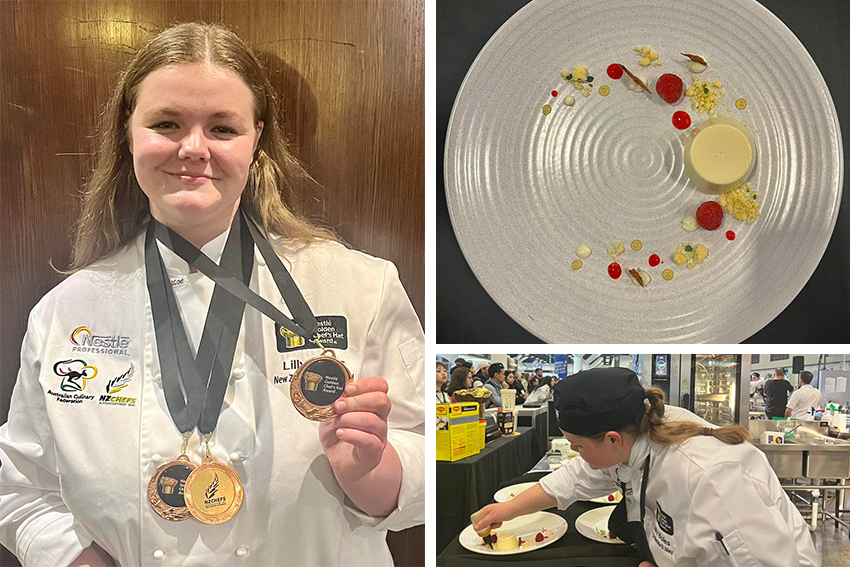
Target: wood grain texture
x,y
351,78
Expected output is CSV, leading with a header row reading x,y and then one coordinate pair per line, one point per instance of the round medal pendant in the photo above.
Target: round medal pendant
x,y
318,384
166,489
213,492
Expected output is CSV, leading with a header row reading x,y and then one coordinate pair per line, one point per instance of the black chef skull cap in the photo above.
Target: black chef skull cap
x,y
599,400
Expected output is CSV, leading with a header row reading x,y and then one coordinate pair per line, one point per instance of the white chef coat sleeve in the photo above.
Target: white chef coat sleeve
x,y
577,481
756,526
396,351
793,400
34,521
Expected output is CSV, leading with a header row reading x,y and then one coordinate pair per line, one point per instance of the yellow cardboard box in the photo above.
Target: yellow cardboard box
x,y
457,431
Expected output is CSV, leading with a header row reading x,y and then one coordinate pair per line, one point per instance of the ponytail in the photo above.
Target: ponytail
x,y
672,432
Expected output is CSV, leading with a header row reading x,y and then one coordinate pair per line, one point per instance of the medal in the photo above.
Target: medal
x,y
214,491
166,487
195,386
318,384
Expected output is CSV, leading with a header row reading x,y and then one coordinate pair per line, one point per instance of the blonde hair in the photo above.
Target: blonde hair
x,y
672,432
114,208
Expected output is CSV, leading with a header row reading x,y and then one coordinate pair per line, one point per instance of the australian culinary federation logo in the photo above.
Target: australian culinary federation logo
x,y
84,340
75,374
210,500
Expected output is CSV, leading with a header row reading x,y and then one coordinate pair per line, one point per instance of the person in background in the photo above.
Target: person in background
x,y
524,381
695,495
461,380
442,378
776,394
756,388
803,399
541,393
459,362
513,382
495,383
481,375
533,384
539,374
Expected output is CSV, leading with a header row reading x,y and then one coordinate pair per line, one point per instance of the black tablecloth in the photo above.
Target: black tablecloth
x,y
465,311
467,485
572,550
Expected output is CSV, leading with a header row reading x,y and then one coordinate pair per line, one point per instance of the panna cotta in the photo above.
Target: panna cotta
x,y
719,155
507,541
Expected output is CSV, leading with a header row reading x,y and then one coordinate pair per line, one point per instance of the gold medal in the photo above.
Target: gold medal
x,y
318,384
214,492
166,487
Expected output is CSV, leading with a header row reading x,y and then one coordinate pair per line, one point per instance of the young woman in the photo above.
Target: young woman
x,y
694,495
461,380
137,349
442,376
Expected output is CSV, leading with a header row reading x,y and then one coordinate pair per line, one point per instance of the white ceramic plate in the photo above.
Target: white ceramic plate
x,y
504,494
604,499
590,521
525,189
525,527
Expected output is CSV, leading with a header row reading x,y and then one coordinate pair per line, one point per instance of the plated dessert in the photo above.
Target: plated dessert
x,y
718,154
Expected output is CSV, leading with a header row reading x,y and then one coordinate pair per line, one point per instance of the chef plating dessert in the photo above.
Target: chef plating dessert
x,y
694,495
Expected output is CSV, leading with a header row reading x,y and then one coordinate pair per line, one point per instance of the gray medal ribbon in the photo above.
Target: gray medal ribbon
x,y
194,387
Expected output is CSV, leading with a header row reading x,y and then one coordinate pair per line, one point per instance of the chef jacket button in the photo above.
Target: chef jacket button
x,y
241,552
235,457
158,554
158,380
238,373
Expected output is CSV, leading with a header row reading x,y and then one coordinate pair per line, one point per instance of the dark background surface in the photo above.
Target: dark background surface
x,y
351,75
467,314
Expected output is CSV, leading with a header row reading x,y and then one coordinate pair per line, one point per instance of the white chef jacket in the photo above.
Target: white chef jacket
x,y
696,489
76,465
804,399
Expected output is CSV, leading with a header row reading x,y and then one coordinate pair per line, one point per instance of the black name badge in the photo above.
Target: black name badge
x,y
665,522
333,334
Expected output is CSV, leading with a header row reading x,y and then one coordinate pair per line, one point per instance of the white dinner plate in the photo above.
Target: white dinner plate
x,y
508,492
525,189
525,527
604,499
590,521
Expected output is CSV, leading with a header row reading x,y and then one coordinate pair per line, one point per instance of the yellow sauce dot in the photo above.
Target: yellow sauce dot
x,y
637,245
667,275
547,109
604,90
741,103
576,264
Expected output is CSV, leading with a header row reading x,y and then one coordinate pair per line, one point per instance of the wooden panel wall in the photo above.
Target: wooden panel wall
x,y
351,75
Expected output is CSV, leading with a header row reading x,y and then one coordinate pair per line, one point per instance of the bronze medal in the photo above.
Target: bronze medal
x,y
318,384
166,489
214,492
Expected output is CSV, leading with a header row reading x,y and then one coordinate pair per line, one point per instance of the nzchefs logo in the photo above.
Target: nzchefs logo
x,y
115,386
210,500
84,340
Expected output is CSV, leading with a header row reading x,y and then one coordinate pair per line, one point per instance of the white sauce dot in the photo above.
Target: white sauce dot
x,y
696,67
690,224
636,87
583,251
569,100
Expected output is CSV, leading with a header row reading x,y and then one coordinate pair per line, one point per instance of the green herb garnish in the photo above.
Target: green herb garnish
x,y
689,249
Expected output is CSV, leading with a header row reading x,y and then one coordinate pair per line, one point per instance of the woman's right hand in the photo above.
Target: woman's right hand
x,y
493,516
